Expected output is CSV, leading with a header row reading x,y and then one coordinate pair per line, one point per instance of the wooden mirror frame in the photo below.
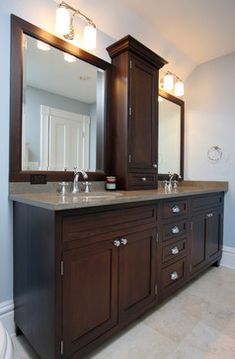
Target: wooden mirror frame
x,y
19,27
177,101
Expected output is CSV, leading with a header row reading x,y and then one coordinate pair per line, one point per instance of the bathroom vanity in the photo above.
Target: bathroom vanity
x,y
86,265
84,268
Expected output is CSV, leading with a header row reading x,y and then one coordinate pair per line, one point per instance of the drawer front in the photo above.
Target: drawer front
x,y
174,274
142,180
175,208
175,229
174,250
100,225
207,202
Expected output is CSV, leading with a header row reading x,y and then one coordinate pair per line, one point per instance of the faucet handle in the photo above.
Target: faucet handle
x,y
87,187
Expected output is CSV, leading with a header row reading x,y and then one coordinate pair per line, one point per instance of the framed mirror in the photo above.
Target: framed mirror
x,y
170,135
58,107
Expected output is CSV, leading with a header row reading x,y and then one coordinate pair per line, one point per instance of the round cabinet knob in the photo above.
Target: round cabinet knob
x,y
143,179
124,241
174,275
154,165
116,243
174,250
175,230
175,209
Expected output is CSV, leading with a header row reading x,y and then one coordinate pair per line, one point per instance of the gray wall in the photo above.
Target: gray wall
x,y
6,259
210,120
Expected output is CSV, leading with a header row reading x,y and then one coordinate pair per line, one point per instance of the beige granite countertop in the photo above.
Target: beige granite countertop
x,y
56,202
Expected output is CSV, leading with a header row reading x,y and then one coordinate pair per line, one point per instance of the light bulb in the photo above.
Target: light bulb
x,y
89,37
168,82
62,20
43,46
179,88
69,58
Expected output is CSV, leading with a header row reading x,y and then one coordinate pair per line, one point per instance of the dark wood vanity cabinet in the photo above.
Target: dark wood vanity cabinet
x,y
109,273
191,235
81,275
207,231
174,244
134,113
89,294
105,284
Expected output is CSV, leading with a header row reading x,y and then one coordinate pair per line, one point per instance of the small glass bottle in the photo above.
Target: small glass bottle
x,y
110,183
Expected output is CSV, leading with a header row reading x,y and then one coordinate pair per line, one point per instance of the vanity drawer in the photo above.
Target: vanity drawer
x,y
174,208
174,250
141,180
175,229
99,225
174,274
207,201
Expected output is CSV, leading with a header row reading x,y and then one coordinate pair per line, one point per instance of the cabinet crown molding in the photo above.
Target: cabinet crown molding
x,y
128,43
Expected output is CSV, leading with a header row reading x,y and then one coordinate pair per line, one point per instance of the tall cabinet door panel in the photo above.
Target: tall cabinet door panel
x,y
89,294
198,243
136,272
214,232
142,116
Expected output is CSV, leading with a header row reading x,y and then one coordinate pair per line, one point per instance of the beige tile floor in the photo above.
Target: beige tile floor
x,y
197,323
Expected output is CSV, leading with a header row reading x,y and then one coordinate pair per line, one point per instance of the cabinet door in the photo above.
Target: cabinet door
x,y
137,273
214,232
142,116
89,294
198,242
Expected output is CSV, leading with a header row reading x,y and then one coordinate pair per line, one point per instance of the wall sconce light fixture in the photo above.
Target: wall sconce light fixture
x,y
171,81
65,25
168,82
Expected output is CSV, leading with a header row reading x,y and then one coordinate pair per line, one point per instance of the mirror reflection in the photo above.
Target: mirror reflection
x,y
60,109
169,150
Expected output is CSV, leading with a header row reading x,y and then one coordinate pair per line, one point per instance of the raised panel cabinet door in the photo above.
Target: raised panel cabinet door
x,y
198,242
214,232
142,135
89,294
137,272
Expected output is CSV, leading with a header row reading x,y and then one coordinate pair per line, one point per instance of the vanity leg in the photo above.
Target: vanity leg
x,y
217,263
18,331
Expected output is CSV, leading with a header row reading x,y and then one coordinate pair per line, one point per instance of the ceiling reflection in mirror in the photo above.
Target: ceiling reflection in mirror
x,y
169,155
60,109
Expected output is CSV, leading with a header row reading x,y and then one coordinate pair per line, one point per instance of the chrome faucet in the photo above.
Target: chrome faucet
x,y
77,172
168,184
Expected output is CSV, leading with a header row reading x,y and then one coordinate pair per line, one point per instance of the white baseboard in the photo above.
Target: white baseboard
x,y
228,257
7,316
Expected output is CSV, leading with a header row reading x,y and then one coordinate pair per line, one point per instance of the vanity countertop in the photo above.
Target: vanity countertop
x,y
56,202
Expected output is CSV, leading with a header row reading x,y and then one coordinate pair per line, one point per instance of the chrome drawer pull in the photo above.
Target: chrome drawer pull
x,y
209,215
116,243
175,230
174,250
124,241
143,179
175,209
154,165
174,275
